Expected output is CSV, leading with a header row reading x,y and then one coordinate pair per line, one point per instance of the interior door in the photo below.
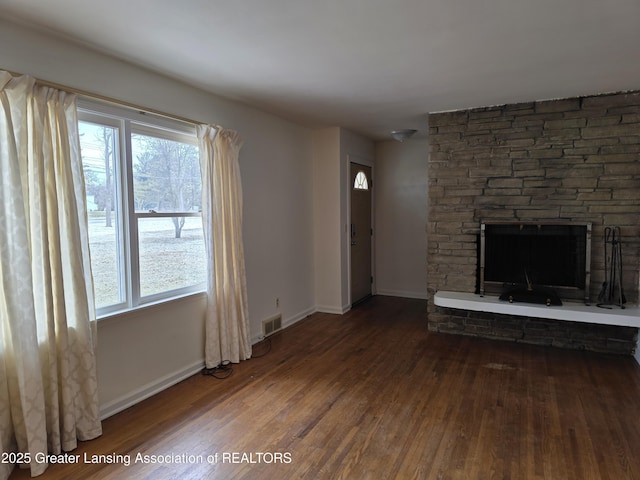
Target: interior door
x,y
361,232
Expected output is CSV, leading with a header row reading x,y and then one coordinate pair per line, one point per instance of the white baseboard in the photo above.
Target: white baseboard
x,y
148,390
402,293
296,318
287,322
152,388
162,383
333,310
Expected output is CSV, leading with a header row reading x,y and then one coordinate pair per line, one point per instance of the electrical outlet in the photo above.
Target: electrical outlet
x,y
277,302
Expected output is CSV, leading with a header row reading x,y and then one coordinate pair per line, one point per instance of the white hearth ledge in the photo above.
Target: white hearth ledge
x,y
572,312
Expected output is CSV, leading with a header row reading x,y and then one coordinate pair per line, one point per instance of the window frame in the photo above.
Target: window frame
x,y
129,122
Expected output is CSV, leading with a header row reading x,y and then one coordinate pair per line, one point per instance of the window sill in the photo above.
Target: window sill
x,y
120,314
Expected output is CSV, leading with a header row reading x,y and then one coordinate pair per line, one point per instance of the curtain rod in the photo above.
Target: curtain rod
x,y
84,93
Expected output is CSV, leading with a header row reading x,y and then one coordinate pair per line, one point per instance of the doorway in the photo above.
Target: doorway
x,y
361,232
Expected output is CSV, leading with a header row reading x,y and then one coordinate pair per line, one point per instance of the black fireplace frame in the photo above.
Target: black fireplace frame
x,y
568,292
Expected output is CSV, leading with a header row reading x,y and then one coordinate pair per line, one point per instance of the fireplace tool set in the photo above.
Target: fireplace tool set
x,y
611,293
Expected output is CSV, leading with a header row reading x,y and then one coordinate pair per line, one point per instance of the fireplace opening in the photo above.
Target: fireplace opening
x,y
534,262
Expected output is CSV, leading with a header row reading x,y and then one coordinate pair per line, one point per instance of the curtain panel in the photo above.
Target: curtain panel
x,y
227,336
48,381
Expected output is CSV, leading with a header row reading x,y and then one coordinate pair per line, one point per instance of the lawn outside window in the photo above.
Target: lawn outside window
x,y
143,186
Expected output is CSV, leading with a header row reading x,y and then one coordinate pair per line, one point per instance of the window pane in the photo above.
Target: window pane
x,y
172,254
166,175
360,182
98,145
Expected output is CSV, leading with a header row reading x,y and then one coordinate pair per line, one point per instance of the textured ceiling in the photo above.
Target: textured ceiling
x,y
367,65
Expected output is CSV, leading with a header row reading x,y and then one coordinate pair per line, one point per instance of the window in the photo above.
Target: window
x,y
143,186
360,182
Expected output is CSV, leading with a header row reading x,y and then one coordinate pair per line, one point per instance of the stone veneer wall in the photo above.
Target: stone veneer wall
x,y
574,159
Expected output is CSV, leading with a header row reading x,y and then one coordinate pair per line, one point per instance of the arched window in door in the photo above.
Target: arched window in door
x,y
361,182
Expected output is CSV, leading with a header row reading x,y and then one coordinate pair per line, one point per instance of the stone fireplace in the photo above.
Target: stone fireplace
x,y
569,160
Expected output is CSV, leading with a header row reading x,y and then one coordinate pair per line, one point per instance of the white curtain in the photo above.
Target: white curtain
x,y
227,317
48,385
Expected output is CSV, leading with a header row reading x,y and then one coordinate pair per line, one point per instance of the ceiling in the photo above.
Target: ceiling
x,y
368,65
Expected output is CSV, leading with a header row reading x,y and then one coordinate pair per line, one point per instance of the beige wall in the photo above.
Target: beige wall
x,y
326,211
401,218
143,351
295,188
333,148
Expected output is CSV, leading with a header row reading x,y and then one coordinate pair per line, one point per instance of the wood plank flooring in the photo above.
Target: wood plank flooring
x,y
373,395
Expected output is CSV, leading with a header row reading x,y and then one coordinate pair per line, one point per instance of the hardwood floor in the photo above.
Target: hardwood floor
x,y
373,394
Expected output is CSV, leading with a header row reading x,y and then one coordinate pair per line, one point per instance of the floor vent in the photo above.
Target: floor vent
x,y
271,325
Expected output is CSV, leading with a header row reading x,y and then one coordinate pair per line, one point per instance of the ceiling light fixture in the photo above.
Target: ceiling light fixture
x,y
402,135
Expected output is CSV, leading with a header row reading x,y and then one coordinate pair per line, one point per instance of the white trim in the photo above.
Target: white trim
x,y
148,390
161,130
152,388
351,158
123,315
139,116
298,317
403,294
333,310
